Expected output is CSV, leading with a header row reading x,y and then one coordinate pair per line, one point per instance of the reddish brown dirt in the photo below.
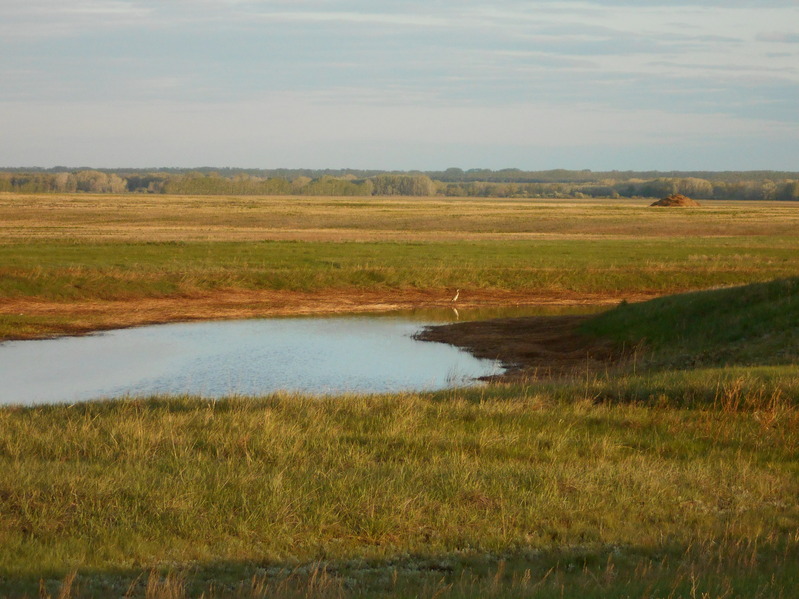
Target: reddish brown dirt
x,y
71,318
676,199
534,347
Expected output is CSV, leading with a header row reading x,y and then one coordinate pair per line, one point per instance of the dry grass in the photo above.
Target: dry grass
x,y
434,486
93,218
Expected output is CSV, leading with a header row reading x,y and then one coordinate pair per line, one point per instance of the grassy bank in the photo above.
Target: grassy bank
x,y
438,487
51,288
752,324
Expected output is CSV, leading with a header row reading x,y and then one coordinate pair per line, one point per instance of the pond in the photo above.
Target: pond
x,y
316,355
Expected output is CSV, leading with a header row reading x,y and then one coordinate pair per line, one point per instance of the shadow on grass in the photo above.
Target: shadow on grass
x,y
713,569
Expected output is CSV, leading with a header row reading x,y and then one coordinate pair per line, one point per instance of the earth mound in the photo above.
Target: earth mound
x,y
676,199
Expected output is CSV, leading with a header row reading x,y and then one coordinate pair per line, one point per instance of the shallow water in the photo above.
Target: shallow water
x,y
214,359
318,355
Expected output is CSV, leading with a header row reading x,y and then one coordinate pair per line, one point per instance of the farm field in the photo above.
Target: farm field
x,y
674,475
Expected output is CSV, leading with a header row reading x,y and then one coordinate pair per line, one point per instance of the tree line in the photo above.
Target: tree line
x,y
509,183
693,187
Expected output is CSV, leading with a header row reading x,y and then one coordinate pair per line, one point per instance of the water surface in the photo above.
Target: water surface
x,y
372,353
312,355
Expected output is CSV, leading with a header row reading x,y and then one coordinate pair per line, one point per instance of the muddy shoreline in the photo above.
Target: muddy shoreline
x,y
531,347
58,318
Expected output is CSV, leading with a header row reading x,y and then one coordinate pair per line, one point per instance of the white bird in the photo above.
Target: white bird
x,y
457,293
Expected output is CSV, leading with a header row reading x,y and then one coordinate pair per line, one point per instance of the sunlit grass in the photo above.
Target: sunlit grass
x,y
257,483
127,218
652,482
90,249
113,271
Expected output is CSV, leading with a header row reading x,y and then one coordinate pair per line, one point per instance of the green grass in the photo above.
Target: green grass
x,y
735,387
747,325
677,477
464,478
69,271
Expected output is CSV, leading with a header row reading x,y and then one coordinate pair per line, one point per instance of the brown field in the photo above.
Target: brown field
x,y
93,218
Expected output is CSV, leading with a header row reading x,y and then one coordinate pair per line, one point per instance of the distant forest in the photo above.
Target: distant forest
x,y
506,183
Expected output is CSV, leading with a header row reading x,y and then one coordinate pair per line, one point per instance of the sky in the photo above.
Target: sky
x,y
400,84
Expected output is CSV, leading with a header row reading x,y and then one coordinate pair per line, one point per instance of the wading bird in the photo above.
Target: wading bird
x,y
457,293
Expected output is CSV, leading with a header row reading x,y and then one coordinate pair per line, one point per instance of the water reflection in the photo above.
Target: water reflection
x,y
460,313
321,355
213,359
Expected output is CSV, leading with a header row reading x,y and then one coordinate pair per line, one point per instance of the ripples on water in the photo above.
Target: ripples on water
x,y
213,359
317,355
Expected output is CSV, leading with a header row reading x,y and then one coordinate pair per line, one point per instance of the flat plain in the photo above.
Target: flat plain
x,y
673,477
74,263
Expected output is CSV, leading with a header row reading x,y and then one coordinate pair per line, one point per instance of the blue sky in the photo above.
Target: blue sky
x,y
400,84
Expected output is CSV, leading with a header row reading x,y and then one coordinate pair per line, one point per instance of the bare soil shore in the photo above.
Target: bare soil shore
x,y
532,347
56,318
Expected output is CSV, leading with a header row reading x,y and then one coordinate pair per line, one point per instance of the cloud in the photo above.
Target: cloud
x,y
26,19
573,62
781,37
354,18
298,130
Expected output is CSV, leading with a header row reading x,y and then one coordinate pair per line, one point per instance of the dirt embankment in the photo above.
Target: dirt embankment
x,y
534,347
676,199
53,318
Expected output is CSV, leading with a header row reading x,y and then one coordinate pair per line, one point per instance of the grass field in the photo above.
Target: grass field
x,y
125,218
677,477
57,271
413,492
77,254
